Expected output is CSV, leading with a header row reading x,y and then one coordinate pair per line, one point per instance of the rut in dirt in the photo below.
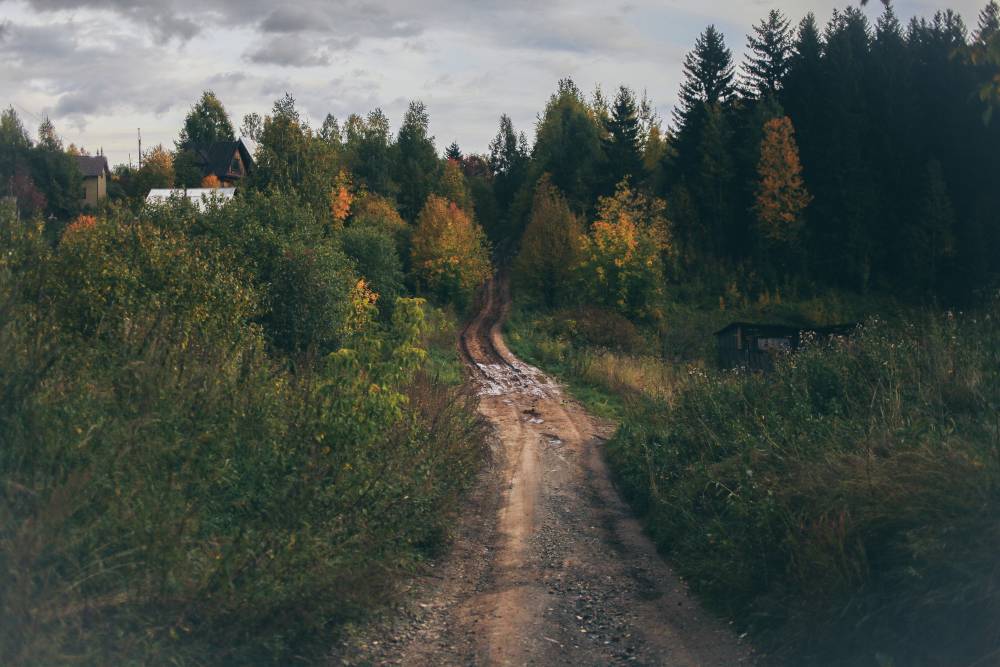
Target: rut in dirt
x,y
549,567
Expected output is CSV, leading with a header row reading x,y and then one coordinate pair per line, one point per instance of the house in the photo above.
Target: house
x,y
754,346
229,161
95,173
200,197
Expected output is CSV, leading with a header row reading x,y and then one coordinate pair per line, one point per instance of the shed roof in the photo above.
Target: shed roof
x,y
789,329
92,166
200,197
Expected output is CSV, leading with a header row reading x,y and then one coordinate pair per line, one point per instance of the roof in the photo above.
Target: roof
x,y
198,196
92,166
218,155
789,329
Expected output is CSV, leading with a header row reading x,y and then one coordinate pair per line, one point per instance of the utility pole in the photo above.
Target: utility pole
x,y
139,134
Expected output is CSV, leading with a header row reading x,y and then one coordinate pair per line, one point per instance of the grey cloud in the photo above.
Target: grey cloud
x,y
291,19
287,53
4,30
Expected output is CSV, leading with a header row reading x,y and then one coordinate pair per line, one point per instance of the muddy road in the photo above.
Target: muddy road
x,y
549,567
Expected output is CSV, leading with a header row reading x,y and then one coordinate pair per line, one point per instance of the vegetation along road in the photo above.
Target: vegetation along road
x,y
549,567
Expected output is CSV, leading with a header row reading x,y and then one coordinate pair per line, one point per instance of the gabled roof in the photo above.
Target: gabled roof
x,y
92,166
216,157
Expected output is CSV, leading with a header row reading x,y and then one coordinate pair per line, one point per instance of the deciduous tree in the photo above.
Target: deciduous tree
x,y
449,255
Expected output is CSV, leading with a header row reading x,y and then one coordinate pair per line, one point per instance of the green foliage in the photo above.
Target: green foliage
x,y
377,259
845,505
171,492
206,123
415,161
551,249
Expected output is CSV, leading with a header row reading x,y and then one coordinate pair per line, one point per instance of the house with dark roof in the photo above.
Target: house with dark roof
x,y
754,346
229,161
95,172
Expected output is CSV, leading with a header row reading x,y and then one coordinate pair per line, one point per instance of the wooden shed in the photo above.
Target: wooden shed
x,y
754,346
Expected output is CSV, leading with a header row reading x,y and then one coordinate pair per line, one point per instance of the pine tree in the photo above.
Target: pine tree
x,y
207,122
989,23
708,77
47,138
453,152
622,144
416,163
768,56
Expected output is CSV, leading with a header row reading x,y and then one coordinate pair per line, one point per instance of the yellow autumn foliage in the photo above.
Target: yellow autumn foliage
x,y
449,252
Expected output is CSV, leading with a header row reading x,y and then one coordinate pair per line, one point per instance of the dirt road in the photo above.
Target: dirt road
x,y
549,568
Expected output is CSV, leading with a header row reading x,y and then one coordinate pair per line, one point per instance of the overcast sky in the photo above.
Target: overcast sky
x,y
102,68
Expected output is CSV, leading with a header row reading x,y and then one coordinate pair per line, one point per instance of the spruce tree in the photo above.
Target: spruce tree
x,y
708,77
989,23
453,152
416,162
330,130
769,51
622,144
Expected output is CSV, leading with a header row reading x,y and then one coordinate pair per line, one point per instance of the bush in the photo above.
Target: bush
x,y
844,508
171,492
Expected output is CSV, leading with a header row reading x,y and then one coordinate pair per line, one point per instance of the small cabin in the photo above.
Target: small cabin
x,y
754,346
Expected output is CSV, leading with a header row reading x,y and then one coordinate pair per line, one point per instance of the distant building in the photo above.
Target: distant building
x,y
229,161
200,197
95,172
754,346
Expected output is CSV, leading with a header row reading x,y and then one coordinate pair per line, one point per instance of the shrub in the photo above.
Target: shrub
x,y
377,261
845,506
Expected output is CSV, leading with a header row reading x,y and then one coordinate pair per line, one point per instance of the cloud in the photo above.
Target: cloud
x,y
286,52
291,19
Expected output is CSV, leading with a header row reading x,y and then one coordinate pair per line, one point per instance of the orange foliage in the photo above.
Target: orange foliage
x,y
781,193
211,181
81,225
449,251
341,198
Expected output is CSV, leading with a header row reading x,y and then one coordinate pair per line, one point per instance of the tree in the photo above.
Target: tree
x,y
14,146
508,160
781,193
453,186
989,23
551,247
568,146
187,169
449,255
453,152
375,253
252,126
416,162
56,174
367,147
622,265
768,53
330,130
623,142
708,78
206,123
930,239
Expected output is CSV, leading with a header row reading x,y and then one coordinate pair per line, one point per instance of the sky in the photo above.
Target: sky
x,y
101,69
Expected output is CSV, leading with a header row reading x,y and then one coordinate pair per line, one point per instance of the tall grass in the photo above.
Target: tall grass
x,y
844,508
